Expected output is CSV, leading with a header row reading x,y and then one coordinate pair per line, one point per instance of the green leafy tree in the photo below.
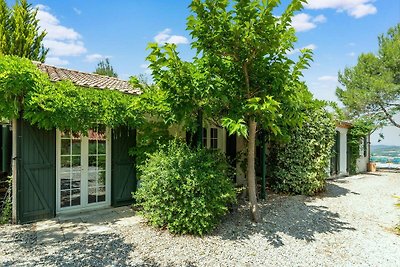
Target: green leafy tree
x,y
104,68
20,34
372,87
242,74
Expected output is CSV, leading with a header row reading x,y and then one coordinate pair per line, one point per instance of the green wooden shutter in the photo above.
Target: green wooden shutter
x,y
36,173
123,178
5,144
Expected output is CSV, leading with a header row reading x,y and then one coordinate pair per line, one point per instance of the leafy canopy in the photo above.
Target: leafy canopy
x,y
24,88
241,70
20,34
242,76
372,87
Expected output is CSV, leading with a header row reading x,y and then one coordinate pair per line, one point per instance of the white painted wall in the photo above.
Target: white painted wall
x,y
343,150
362,161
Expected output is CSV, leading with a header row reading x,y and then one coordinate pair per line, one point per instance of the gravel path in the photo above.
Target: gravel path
x,y
348,225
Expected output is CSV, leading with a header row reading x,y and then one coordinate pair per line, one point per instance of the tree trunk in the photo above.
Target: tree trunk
x,y
251,173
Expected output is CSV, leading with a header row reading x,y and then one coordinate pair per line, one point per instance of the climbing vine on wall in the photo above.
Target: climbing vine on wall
x,y
300,165
360,129
24,88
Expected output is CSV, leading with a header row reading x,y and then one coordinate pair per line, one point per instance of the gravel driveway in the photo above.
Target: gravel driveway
x,y
348,225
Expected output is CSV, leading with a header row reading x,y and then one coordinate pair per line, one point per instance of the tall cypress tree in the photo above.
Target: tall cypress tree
x,y
20,34
4,26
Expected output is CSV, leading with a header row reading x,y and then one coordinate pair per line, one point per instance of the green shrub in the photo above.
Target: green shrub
x,y
187,191
6,209
301,165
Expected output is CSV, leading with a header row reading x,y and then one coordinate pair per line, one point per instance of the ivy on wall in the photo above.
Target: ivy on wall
x,y
24,88
360,129
300,166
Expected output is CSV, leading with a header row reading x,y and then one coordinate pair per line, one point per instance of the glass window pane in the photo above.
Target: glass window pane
x,y
65,163
92,195
76,163
101,178
92,163
76,147
76,197
214,133
65,146
92,179
65,198
76,180
102,163
65,181
101,194
92,147
101,147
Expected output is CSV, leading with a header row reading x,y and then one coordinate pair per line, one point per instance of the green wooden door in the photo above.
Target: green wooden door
x,y
123,175
36,173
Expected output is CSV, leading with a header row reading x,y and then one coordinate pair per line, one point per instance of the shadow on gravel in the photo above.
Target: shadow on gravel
x,y
283,216
333,190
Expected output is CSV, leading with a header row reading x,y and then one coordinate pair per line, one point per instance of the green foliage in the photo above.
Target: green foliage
x,y
104,68
6,209
151,136
187,191
372,87
18,77
300,165
360,129
244,70
62,105
20,34
242,76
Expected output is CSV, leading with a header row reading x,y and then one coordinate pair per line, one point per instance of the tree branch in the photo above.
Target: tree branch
x,y
388,116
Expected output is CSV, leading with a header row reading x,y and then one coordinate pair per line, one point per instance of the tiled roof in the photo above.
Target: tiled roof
x,y
87,79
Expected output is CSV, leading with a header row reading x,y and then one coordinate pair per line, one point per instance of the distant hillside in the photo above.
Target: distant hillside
x,y
378,149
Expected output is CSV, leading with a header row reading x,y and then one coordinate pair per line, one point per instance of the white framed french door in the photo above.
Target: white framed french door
x,y
83,170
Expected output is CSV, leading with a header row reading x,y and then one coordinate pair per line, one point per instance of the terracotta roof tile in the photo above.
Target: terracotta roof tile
x,y
87,79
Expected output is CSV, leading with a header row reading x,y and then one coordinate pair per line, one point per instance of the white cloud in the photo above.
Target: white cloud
x,y
328,78
320,19
77,11
166,37
297,50
304,22
354,8
95,57
61,40
56,61
310,46
352,44
351,54
64,48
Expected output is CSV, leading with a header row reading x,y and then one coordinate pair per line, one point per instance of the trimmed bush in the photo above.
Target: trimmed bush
x,y
186,191
301,165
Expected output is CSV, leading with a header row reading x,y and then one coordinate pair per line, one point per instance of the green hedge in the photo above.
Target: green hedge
x,y
186,191
301,165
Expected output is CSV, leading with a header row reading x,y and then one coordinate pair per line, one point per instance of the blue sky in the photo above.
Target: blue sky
x,y
80,33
